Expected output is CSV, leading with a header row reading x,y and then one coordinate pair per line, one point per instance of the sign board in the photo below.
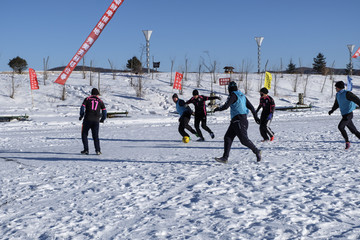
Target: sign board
x,y
224,81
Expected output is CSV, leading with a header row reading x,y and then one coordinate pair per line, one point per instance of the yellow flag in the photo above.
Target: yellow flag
x,y
268,79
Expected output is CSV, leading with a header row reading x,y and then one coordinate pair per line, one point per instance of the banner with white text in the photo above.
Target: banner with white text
x,y
95,33
177,82
34,84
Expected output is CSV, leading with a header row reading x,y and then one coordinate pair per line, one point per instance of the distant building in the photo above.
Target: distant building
x,y
228,69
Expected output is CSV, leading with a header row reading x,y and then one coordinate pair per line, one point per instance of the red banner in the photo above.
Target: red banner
x,y
224,81
34,84
356,54
95,33
177,82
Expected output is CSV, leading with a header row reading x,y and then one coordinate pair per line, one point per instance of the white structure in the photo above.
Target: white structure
x,y
147,34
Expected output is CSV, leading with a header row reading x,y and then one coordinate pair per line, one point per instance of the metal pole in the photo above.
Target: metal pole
x,y
259,41
148,55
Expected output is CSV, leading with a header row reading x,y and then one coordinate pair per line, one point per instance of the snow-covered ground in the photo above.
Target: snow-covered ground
x,y
147,184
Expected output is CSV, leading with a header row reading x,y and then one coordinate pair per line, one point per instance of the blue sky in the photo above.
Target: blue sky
x,y
187,29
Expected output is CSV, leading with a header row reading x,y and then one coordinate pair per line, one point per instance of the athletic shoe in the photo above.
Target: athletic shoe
x,y
201,140
221,160
258,156
272,139
265,140
98,152
212,135
347,145
86,152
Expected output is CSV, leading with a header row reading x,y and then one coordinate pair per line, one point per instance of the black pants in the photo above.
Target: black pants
x,y
238,128
94,126
265,130
184,124
346,121
201,119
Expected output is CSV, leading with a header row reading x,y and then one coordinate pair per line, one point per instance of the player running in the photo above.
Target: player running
x,y
267,104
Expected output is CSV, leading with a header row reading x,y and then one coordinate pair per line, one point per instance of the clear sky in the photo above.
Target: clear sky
x,y
188,29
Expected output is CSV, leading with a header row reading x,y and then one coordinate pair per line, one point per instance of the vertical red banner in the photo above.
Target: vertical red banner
x,y
95,33
177,82
34,84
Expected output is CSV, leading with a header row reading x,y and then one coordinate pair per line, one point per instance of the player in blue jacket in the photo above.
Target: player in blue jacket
x,y
345,100
239,108
185,113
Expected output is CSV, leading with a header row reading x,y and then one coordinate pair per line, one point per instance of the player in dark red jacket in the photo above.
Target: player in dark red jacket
x,y
267,104
91,108
200,113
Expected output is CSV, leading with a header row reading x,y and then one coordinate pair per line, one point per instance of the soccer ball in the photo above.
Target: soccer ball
x,y
186,139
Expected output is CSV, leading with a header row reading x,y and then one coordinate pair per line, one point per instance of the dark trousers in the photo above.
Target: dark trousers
x,y
265,129
201,119
346,121
238,128
94,126
184,124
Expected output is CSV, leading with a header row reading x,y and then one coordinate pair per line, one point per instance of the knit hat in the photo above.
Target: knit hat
x,y
95,92
195,92
264,90
175,96
232,87
340,84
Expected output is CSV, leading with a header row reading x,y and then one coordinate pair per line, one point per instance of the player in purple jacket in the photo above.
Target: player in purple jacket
x,y
91,108
200,113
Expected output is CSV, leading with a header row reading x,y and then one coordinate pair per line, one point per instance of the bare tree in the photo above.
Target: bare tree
x,y
186,68
326,73
83,68
306,84
247,67
112,69
46,62
90,73
172,67
198,82
12,93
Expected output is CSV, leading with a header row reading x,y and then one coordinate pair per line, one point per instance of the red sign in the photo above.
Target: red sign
x,y
224,81
34,84
177,82
356,54
95,33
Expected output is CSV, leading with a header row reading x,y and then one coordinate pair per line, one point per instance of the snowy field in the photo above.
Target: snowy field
x,y
147,184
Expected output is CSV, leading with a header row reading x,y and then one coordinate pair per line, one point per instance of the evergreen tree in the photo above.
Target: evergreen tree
x,y
18,64
135,65
319,64
291,67
348,69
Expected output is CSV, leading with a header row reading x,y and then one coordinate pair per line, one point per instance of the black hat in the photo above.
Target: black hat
x,y
195,92
232,87
95,92
340,84
264,90
175,96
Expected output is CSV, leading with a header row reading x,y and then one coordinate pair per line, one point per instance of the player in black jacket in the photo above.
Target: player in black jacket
x,y
200,113
91,108
267,104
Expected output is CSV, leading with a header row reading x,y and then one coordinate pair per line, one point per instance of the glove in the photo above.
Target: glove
x,y
217,109
270,116
257,120
80,118
219,98
102,120
330,112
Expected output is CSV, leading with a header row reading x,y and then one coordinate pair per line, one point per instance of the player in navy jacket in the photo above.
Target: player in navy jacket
x,y
200,113
91,108
267,104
